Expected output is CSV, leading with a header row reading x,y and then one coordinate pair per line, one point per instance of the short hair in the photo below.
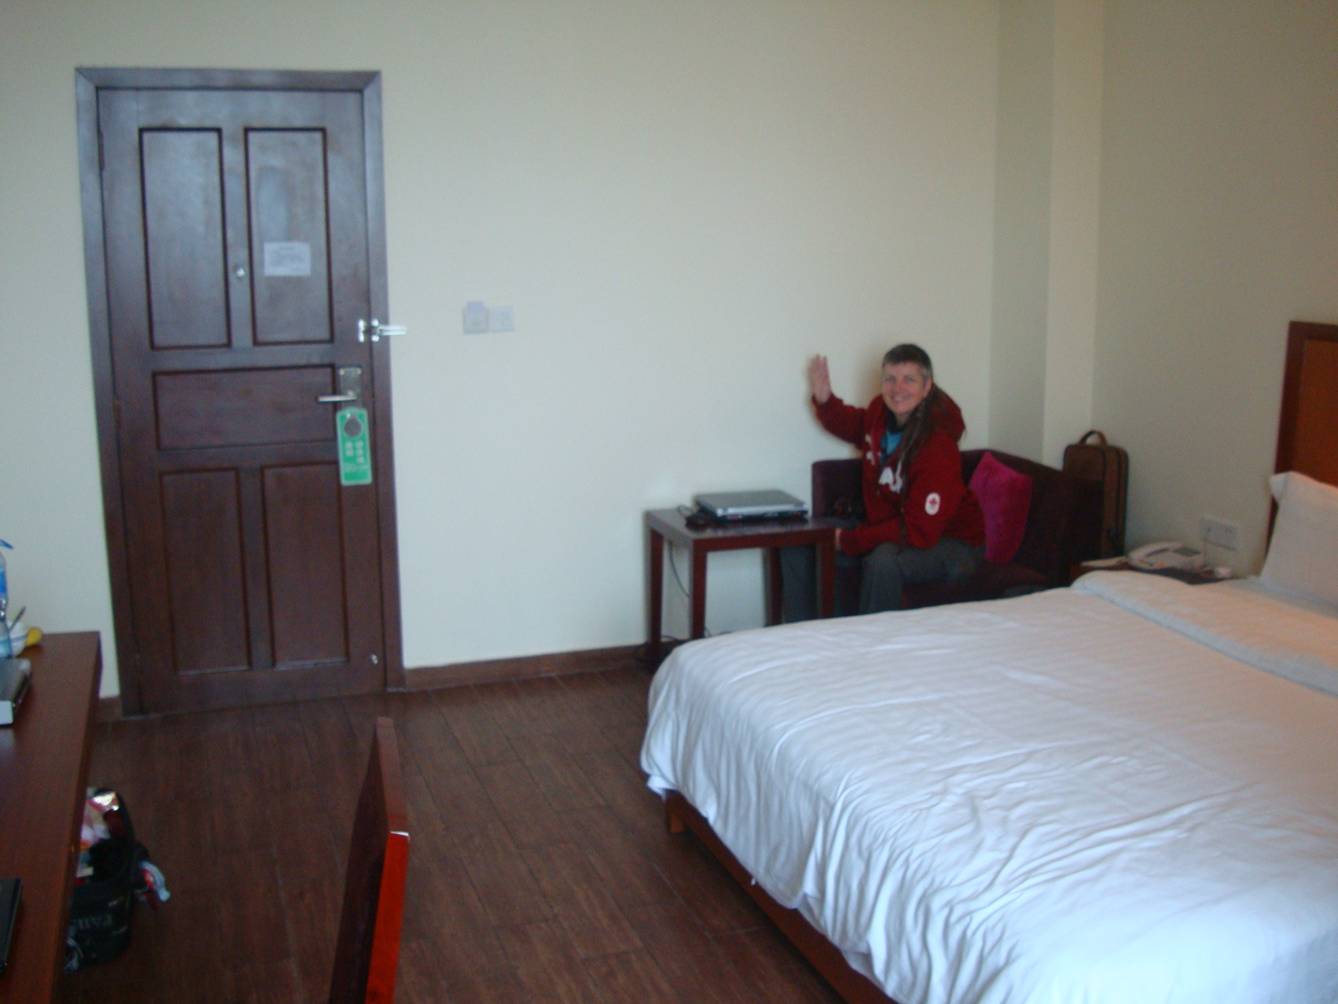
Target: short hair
x,y
907,352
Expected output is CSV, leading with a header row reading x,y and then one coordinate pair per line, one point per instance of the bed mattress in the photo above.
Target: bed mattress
x,y
1126,791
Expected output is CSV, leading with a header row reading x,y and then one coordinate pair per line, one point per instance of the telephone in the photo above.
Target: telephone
x,y
1166,554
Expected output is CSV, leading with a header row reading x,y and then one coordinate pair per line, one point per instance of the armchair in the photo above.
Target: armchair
x,y
1062,529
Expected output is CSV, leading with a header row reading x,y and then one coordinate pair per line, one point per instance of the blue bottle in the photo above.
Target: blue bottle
x,y
6,649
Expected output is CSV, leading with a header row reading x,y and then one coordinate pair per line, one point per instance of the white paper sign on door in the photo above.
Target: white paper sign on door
x,y
287,258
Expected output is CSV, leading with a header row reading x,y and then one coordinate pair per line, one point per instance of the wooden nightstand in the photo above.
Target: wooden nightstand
x,y
770,535
1192,577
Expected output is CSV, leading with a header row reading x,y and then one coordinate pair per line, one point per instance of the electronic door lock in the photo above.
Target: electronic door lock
x,y
374,330
349,384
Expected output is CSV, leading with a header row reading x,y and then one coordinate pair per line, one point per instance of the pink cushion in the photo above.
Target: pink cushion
x,y
1005,497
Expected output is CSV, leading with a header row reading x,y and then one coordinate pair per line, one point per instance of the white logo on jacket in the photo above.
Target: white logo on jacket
x,y
932,502
891,479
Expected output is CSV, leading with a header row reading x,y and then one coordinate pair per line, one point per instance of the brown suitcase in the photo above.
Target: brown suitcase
x,y
1109,465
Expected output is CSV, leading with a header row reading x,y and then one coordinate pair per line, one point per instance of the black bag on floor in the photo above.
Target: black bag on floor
x,y
103,902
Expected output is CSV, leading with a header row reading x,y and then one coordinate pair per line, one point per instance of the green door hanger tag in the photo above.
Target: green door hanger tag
x,y
355,446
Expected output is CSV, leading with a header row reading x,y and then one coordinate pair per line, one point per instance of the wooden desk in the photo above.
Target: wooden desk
x,y
43,768
669,524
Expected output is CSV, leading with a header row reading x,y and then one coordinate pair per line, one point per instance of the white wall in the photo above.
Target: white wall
x,y
1022,225
681,201
1075,199
682,204
1047,198
1219,224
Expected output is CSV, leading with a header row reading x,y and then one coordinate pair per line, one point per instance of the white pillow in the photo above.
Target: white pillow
x,y
1303,554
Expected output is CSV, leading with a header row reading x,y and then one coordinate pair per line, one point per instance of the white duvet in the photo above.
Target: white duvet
x,y
1083,795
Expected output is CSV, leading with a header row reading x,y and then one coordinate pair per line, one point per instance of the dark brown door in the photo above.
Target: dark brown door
x,y
237,263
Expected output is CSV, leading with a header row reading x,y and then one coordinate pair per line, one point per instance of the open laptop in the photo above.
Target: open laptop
x,y
767,503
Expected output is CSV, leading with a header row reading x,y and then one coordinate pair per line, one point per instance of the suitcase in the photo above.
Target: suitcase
x,y
1109,466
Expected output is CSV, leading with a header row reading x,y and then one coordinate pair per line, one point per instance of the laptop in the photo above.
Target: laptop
x,y
767,503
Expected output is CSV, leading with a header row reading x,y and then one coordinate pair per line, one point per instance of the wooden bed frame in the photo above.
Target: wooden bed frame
x,y
826,958
1307,442
1308,424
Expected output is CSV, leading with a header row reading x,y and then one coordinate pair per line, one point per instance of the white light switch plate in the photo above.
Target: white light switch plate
x,y
475,317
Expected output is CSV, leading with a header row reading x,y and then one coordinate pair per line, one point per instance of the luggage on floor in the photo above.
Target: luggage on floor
x,y
1109,466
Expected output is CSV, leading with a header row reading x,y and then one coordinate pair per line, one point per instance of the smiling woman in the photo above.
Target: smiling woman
x,y
921,522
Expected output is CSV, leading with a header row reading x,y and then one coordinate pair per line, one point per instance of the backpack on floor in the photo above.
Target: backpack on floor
x,y
117,872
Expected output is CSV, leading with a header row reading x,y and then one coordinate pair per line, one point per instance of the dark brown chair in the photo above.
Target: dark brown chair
x,y
368,948
1063,528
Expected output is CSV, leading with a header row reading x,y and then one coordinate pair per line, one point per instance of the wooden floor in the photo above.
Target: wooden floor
x,y
539,868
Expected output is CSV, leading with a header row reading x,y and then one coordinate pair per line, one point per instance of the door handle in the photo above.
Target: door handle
x,y
349,381
374,330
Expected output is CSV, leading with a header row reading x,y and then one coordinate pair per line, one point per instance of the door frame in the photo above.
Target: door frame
x,y
88,82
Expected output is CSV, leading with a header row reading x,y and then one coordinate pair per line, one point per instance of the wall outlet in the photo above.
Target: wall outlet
x,y
501,318
1220,532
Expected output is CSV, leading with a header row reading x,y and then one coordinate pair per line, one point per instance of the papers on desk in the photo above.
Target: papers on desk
x,y
14,677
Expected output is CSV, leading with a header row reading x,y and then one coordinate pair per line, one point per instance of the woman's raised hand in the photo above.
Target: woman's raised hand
x,y
819,380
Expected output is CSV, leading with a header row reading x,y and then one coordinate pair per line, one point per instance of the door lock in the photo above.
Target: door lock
x,y
350,387
374,330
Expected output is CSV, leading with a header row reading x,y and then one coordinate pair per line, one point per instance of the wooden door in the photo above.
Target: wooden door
x,y
238,262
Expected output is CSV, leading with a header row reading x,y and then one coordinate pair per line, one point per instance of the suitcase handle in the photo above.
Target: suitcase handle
x,y
1100,437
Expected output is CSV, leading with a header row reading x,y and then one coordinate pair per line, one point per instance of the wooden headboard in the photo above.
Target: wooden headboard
x,y
1308,425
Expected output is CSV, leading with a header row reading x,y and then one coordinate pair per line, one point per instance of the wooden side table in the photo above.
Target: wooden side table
x,y
669,524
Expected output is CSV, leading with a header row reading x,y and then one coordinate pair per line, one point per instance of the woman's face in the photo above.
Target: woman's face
x,y
905,385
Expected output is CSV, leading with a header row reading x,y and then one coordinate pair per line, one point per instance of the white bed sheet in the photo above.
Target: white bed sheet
x,y
1044,799
1285,635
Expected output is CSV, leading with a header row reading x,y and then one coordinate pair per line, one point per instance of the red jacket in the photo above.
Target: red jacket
x,y
914,507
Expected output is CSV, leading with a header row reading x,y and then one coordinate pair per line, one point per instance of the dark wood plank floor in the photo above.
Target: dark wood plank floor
x,y
539,868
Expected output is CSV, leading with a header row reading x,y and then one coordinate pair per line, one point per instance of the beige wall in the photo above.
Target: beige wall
x,y
681,201
1022,225
1075,197
1219,224
1047,195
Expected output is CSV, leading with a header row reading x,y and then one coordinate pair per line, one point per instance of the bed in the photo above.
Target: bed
x,y
1122,791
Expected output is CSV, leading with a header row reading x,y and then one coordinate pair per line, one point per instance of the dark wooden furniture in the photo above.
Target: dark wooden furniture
x,y
1308,430
670,525
233,241
1063,528
1189,576
853,986
43,770
368,949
